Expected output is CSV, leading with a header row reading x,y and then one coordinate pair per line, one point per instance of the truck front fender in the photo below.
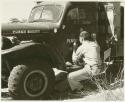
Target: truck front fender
x,y
34,50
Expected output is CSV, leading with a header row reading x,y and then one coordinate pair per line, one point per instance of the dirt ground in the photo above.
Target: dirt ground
x,y
107,95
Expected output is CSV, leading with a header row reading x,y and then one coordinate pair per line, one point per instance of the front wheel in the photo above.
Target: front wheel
x,y
34,80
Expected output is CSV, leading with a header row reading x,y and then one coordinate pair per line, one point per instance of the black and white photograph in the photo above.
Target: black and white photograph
x,y
62,50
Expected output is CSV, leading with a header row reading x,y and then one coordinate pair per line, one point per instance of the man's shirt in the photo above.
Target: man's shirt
x,y
89,52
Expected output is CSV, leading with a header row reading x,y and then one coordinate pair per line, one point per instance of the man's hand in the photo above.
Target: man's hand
x,y
68,63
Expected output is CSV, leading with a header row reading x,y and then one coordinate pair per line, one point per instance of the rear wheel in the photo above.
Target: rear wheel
x,y
34,80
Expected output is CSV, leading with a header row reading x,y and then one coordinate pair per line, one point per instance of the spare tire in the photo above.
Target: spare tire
x,y
33,80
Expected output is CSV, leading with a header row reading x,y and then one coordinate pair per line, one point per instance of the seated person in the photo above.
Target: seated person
x,y
89,52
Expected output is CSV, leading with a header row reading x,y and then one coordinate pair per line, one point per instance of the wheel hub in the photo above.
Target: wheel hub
x,y
35,83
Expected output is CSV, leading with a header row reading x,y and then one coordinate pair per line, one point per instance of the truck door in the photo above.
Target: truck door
x,y
71,32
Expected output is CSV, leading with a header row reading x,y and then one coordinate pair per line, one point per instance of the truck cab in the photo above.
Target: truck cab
x,y
59,24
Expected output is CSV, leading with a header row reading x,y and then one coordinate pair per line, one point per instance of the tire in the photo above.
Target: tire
x,y
4,74
31,81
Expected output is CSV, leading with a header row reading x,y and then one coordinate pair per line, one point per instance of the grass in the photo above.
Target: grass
x,y
110,91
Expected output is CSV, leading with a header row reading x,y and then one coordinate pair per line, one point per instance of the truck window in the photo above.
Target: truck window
x,y
72,16
45,13
82,14
50,12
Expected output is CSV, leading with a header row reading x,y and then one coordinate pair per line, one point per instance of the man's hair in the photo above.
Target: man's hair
x,y
86,35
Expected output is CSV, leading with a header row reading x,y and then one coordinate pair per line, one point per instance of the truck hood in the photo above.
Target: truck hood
x,y
37,27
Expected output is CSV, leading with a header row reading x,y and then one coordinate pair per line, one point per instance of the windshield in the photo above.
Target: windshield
x,y
45,13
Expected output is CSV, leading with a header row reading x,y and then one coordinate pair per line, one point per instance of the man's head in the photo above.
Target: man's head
x,y
84,35
94,36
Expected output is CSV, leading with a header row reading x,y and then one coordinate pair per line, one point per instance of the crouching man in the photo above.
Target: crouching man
x,y
89,52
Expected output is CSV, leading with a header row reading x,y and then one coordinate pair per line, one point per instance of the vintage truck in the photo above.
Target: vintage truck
x,y
51,29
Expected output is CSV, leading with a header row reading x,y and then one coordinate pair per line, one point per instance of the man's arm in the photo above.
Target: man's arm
x,y
78,54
